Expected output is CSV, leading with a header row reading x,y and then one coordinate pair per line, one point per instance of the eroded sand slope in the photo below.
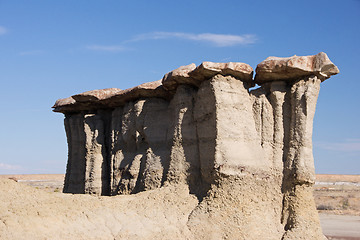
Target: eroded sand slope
x,y
28,213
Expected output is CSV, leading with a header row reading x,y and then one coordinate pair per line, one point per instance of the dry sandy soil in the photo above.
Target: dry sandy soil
x,y
337,199
30,213
41,207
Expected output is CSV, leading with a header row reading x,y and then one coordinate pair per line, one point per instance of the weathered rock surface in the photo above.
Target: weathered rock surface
x,y
245,154
193,75
95,95
109,98
207,70
275,68
178,76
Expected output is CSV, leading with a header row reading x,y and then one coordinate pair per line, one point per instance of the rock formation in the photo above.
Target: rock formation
x,y
245,153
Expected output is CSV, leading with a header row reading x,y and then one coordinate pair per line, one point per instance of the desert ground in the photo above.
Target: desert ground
x,y
337,199
338,194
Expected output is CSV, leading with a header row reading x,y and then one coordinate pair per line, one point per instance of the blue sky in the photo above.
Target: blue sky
x,y
54,49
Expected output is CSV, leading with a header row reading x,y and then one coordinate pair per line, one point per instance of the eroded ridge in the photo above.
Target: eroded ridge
x,y
245,153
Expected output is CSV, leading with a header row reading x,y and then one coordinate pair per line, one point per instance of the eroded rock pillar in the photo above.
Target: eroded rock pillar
x,y
87,164
244,189
299,210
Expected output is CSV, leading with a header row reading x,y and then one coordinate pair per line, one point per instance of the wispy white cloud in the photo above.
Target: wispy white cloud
x,y
107,48
4,166
31,52
348,145
220,40
3,30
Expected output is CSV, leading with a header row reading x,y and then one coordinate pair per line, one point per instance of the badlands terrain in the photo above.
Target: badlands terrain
x,y
34,207
196,155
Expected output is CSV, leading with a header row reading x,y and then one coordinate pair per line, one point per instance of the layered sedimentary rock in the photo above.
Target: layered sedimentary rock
x,y
245,153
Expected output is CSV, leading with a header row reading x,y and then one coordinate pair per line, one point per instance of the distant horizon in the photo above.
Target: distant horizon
x,y
65,173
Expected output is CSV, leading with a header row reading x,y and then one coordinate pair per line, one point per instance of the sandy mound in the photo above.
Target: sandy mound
x,y
28,213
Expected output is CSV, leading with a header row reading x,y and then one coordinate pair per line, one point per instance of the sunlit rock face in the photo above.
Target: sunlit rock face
x,y
245,153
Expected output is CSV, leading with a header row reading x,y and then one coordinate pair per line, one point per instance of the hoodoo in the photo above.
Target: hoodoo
x,y
246,154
